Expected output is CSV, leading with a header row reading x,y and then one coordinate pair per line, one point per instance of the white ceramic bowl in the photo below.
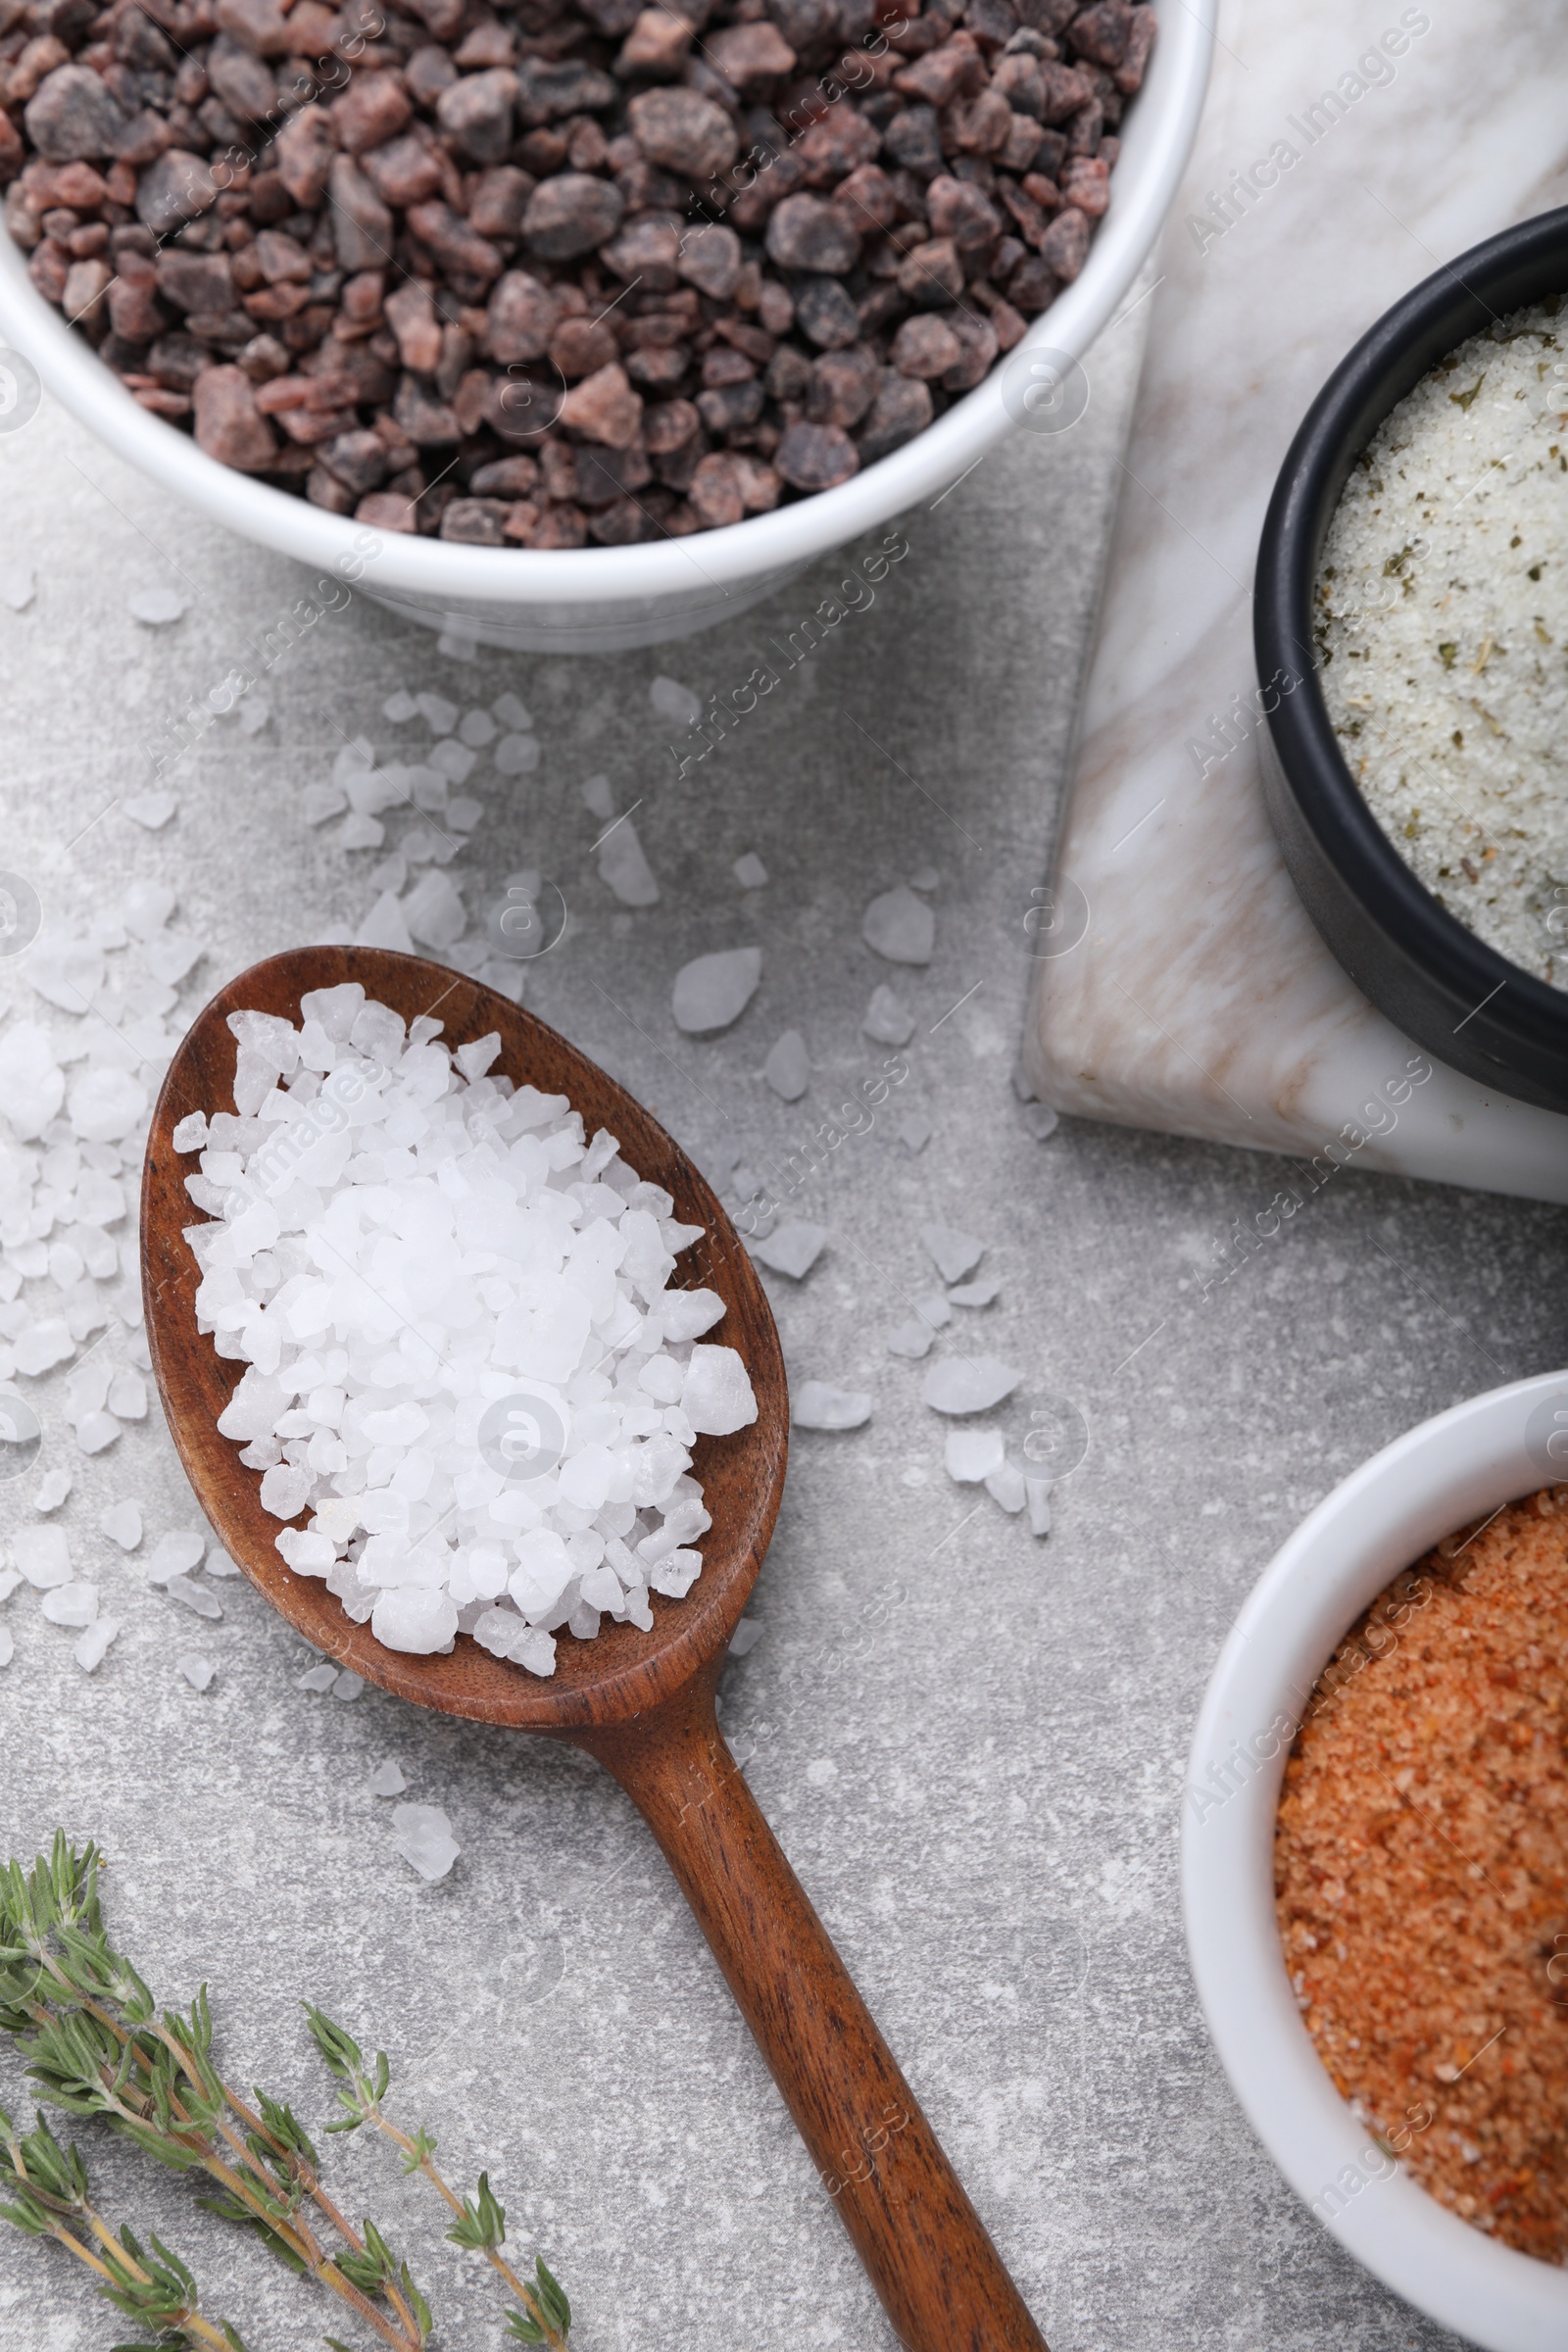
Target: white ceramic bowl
x,y
1381,1519
600,599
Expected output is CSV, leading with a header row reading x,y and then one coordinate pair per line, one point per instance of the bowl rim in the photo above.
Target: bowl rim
x,y
1161,127
1502,274
1384,1516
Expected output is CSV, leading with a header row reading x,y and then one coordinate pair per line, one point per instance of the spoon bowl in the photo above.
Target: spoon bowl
x,y
640,1703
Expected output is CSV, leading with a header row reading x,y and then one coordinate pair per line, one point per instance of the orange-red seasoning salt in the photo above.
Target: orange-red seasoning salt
x,y
1421,1871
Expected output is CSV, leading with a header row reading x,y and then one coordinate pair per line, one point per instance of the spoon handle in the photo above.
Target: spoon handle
x,y
925,2249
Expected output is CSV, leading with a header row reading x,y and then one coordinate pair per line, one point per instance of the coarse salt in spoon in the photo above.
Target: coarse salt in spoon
x,y
642,1703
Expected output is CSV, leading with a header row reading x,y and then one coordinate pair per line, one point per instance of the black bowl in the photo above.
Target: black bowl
x,y
1435,980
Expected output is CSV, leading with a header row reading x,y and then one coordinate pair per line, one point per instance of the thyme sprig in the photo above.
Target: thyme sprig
x,y
96,2045
482,2220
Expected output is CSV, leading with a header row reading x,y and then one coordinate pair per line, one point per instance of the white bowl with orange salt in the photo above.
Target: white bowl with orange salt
x,y
1353,2164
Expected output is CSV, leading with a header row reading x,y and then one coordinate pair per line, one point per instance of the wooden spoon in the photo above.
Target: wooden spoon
x,y
641,1703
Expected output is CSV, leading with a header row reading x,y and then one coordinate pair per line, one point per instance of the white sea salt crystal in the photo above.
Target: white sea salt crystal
x,y
423,1835
1006,1486
253,713
53,1489
400,707
43,1555
1038,1120
18,586
887,1017
968,1384
105,1105
712,991
972,1454
517,755
387,1779
792,1250
91,1651
746,1636
96,1430
10,1579
197,1669
172,1554
318,1678
933,1309
349,1685
1038,1492
624,869
319,802
598,798
463,812
924,877
190,1131
788,1068
32,1085
8,1647
817,1404
360,832
439,715
433,912
217,1562
975,1294
912,1339
194,1596
151,810
121,1524
716,1397
415,1618
453,761
912,1129
384,927
65,969
899,926
156,608
74,1605
672,701
955,1253
476,728
750,871
128,1397
45,1344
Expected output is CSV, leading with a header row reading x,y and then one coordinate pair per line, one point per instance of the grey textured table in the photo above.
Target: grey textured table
x,y
978,1782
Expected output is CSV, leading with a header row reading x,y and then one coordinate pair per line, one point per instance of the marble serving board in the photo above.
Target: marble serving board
x,y
1200,999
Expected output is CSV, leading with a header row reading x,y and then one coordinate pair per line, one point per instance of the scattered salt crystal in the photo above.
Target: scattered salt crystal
x,y
180,1549
319,802
439,715
968,1384
423,1835
400,707
476,728
90,1652
464,813
598,798
121,1524
933,1309
18,586
128,1397
197,1670
624,868
254,712
1006,1486
899,926
674,701
219,1563
1038,1120
190,1131
360,832
975,1294
910,1338
318,1678
792,1250
1038,1491
74,1605
43,1555
458,640
509,712
150,810
10,1579
53,1490
8,1647
384,927
96,1430
453,761
955,1253
817,1404
195,1597
517,755
433,912
156,608
972,1454
746,1636
750,871
387,1779
45,1344
32,1085
912,1129
788,1068
105,1105
887,1017
924,877
349,1685
712,991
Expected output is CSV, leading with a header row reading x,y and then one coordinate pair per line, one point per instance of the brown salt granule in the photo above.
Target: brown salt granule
x,y
1421,1873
